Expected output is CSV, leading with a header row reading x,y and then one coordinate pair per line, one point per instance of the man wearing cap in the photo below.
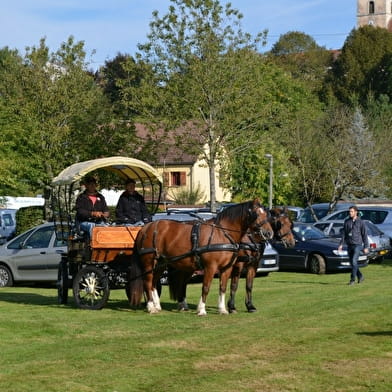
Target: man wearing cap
x,y
91,208
131,207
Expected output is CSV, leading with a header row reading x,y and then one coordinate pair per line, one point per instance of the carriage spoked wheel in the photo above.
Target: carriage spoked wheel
x,y
91,288
62,282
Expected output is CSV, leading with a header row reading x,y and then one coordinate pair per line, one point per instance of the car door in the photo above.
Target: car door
x,y
35,258
292,258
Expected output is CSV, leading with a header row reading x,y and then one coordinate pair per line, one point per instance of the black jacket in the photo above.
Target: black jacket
x,y
84,207
131,208
355,233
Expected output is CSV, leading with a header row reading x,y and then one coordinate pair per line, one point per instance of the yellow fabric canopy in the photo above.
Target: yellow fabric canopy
x,y
124,167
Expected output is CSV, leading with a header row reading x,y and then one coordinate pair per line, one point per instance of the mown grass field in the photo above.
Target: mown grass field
x,y
310,333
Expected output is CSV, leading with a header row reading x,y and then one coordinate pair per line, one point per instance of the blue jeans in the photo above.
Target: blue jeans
x,y
87,227
353,254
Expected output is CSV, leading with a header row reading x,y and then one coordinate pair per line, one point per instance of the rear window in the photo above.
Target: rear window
x,y
376,217
339,215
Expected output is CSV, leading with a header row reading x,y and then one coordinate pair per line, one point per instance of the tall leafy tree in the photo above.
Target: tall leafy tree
x,y
208,82
57,112
299,54
202,65
356,72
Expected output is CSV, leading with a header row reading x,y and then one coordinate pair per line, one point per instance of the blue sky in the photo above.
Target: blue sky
x,y
114,26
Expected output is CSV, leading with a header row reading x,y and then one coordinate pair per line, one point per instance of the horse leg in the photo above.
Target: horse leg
x,y
223,279
235,278
177,286
182,304
249,286
207,279
152,297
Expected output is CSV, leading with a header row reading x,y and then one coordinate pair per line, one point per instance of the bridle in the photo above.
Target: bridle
x,y
257,229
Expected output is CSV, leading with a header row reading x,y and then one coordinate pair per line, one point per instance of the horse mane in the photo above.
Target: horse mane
x,y
233,212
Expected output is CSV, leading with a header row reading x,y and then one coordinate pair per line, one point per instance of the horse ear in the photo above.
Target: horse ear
x,y
256,202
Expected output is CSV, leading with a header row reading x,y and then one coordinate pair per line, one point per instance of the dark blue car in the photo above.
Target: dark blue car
x,y
314,252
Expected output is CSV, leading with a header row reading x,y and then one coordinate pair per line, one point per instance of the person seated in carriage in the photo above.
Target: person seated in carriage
x,y
131,208
91,207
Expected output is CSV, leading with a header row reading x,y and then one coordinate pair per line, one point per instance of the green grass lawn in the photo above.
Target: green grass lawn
x,y
310,333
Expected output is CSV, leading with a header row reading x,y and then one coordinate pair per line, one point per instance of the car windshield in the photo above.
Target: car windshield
x,y
307,232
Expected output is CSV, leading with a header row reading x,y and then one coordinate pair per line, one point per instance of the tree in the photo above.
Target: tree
x,y
355,72
53,114
299,54
202,77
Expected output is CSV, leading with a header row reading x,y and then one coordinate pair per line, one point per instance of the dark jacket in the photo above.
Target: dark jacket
x,y
131,208
84,207
354,233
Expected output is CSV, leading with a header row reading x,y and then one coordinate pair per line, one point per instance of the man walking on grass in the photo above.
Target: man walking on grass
x,y
356,239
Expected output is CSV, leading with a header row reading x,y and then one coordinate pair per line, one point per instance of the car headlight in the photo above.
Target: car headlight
x,y
340,252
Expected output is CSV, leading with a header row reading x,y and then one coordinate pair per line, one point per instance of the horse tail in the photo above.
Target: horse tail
x,y
177,284
135,280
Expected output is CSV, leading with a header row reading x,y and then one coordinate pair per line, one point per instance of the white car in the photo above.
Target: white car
x,y
33,256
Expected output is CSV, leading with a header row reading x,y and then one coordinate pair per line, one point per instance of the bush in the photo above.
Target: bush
x,y
28,217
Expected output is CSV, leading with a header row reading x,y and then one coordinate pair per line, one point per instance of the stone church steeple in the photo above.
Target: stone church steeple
x,y
377,13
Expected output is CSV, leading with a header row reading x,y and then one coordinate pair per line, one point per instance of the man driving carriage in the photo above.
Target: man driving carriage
x,y
91,207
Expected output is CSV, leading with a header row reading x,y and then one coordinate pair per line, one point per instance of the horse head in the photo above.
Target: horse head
x,y
282,226
259,220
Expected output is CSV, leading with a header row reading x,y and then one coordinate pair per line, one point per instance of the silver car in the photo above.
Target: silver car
x,y
380,216
33,256
379,243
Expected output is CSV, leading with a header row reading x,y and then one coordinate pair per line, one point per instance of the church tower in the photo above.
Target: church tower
x,y
376,13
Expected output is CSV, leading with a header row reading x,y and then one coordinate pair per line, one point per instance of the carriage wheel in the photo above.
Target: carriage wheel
x,y
317,264
62,282
91,288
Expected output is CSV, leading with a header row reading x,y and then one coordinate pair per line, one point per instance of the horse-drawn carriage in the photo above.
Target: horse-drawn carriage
x,y
93,266
134,258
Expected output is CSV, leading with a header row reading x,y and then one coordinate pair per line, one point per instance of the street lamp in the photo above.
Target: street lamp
x,y
271,175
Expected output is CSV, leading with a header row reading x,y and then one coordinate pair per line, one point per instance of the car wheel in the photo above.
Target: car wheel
x,y
6,279
91,288
317,264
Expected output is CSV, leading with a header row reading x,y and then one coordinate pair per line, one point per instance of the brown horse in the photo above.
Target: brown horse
x,y
189,246
251,250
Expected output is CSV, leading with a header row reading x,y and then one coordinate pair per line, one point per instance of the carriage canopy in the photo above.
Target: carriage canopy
x,y
124,167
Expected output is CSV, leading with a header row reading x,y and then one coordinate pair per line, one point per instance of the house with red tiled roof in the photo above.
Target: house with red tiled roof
x,y
181,169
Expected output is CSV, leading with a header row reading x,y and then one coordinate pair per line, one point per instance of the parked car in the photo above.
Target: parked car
x,y
33,256
314,252
379,243
320,210
7,224
380,216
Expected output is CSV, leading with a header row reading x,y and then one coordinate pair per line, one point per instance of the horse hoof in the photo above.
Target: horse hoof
x,y
223,312
202,314
233,310
252,309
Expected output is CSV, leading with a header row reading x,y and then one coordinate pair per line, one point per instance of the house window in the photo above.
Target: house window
x,y
371,7
177,178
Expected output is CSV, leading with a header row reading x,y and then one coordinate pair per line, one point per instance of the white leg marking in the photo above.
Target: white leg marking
x,y
156,300
221,304
201,308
